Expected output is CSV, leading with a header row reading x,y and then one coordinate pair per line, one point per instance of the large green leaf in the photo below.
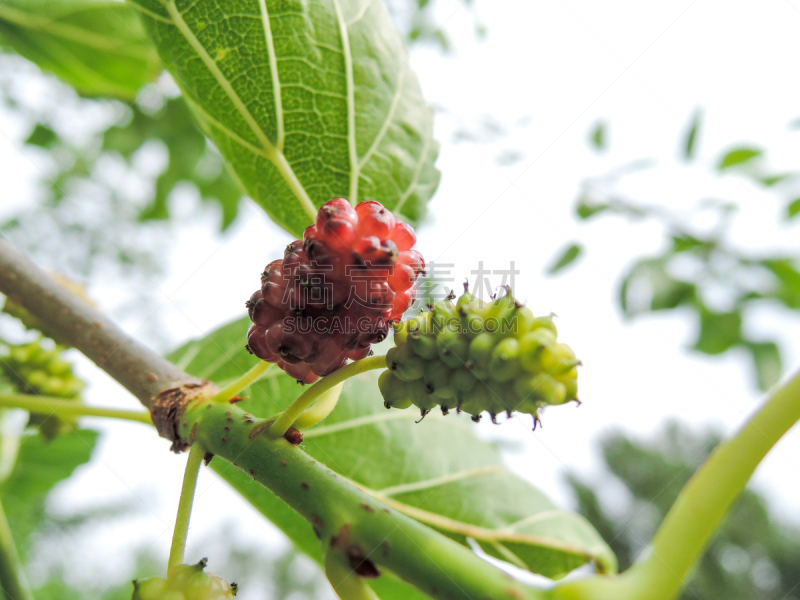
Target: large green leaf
x,y
307,101
437,471
40,465
97,46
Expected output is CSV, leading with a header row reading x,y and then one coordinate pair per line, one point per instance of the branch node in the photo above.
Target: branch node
x,y
168,406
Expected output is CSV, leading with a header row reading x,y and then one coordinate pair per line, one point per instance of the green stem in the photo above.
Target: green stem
x,y
12,577
345,582
700,508
60,407
290,415
196,454
347,520
245,381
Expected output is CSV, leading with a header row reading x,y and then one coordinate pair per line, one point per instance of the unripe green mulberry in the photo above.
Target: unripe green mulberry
x,y
36,369
184,582
479,356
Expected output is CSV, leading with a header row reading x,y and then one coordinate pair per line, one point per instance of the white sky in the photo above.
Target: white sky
x,y
548,71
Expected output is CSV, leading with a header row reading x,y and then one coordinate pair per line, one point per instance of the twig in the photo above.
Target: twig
x,y
140,370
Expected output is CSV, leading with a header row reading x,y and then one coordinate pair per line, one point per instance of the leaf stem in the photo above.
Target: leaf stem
x,y
291,414
61,407
196,453
12,577
243,382
701,506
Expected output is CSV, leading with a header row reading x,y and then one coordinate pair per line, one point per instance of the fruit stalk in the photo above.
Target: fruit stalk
x,y
307,398
181,530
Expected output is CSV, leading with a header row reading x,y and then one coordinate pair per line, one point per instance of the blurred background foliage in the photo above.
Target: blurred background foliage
x,y
116,151
754,555
700,270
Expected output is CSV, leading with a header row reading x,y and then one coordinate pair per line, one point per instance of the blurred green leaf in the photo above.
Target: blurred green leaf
x,y
431,463
771,180
718,331
42,136
96,46
190,159
598,137
739,156
689,243
691,136
329,107
40,465
567,257
793,208
767,362
788,276
586,210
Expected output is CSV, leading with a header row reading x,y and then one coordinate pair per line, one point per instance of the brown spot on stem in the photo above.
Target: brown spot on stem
x,y
224,439
305,485
293,436
152,377
316,520
284,463
193,434
361,565
235,399
252,472
367,507
229,419
514,593
227,428
259,429
207,458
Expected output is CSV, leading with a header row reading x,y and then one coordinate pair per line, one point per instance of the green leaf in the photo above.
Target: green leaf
x,y
437,471
586,210
691,135
718,331
96,46
738,156
771,180
652,282
793,209
40,465
42,136
767,363
306,101
188,159
567,257
788,280
598,137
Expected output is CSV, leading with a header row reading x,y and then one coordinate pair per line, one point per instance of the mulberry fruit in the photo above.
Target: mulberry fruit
x,y
335,292
474,356
37,369
184,582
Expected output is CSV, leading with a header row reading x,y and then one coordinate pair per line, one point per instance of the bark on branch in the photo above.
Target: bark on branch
x,y
138,368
